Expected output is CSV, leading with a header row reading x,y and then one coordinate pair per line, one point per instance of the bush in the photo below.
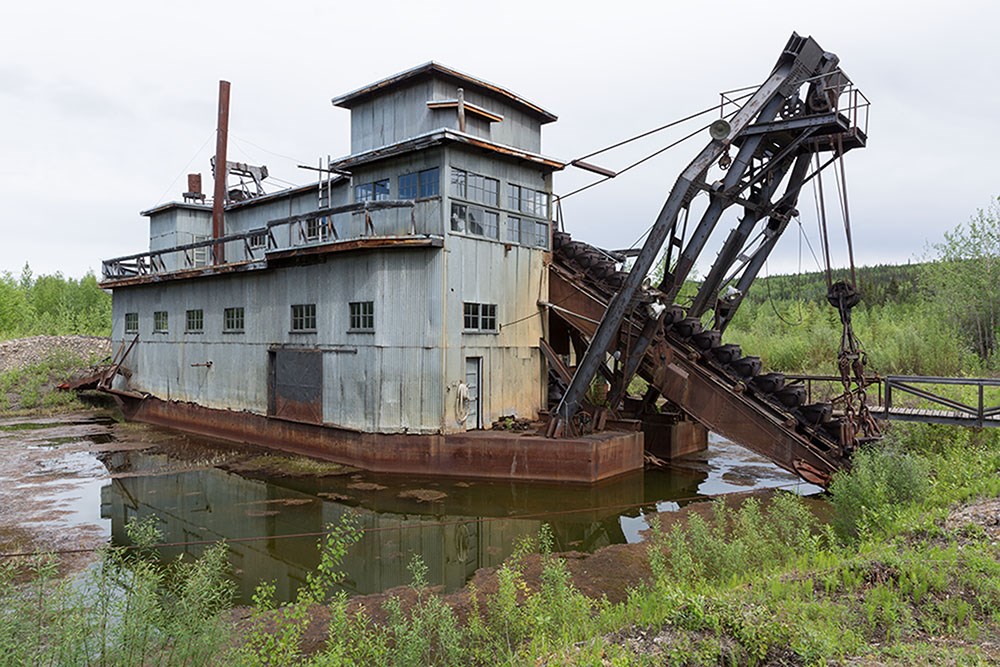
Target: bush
x,y
883,478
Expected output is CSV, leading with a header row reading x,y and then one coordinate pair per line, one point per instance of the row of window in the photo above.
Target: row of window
x,y
418,184
475,187
526,200
194,321
303,319
478,317
464,185
483,222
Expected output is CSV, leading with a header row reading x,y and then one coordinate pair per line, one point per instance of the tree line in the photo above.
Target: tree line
x,y
53,305
936,317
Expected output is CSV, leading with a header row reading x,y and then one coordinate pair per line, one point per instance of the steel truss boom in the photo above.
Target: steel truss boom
x,y
776,132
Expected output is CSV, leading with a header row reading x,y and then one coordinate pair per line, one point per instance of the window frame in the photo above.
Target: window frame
x,y
475,317
161,321
131,323
300,319
230,316
531,202
421,184
361,317
376,191
196,317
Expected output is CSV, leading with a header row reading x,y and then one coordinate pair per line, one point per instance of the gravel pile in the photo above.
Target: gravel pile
x,y
23,352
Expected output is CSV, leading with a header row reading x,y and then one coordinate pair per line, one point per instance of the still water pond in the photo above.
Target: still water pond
x,y
270,521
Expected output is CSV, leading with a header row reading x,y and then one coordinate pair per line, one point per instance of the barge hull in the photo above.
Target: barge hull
x,y
483,454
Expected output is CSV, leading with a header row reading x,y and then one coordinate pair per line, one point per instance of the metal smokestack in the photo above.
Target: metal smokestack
x,y
221,171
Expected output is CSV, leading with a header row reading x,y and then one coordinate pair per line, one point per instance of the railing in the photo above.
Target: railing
x,y
945,409
917,398
393,218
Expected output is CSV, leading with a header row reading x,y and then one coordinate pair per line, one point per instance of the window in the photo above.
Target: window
x,y
458,179
304,317
526,200
484,190
540,236
232,320
377,191
160,321
131,323
459,212
475,187
362,316
480,317
534,233
420,184
513,229
491,223
257,241
195,321
316,230
475,220
199,256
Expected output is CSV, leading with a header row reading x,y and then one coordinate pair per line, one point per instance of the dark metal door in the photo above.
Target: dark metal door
x,y
296,387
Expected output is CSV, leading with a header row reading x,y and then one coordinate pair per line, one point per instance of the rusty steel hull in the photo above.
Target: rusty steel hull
x,y
482,454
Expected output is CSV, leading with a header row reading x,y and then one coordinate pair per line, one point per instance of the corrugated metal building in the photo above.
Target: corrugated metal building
x,y
401,299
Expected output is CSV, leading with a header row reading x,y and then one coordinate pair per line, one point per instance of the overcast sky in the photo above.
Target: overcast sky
x,y
105,106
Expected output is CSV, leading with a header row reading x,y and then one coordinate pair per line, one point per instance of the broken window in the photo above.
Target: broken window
x,y
459,212
304,317
131,323
475,220
540,234
160,321
362,316
194,321
232,320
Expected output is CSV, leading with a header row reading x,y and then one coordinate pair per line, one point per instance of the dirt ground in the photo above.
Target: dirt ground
x,y
26,351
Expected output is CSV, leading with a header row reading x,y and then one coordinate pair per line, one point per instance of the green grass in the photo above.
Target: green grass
x,y
32,388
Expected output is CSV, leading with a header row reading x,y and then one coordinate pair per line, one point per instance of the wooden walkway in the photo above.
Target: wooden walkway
x,y
928,416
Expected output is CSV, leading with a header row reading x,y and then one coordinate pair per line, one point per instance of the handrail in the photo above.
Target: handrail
x,y
979,413
151,261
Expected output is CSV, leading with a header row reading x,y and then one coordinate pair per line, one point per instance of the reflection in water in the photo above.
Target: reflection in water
x,y
455,527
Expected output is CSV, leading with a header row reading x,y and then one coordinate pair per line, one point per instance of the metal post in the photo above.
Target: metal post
x,y
221,172
981,415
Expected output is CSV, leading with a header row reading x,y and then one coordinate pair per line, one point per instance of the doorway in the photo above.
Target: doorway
x,y
473,377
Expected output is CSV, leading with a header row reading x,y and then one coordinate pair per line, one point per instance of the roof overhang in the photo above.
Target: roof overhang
x,y
432,68
445,136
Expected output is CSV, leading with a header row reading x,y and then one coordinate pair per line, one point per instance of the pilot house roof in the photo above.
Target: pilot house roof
x,y
435,69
